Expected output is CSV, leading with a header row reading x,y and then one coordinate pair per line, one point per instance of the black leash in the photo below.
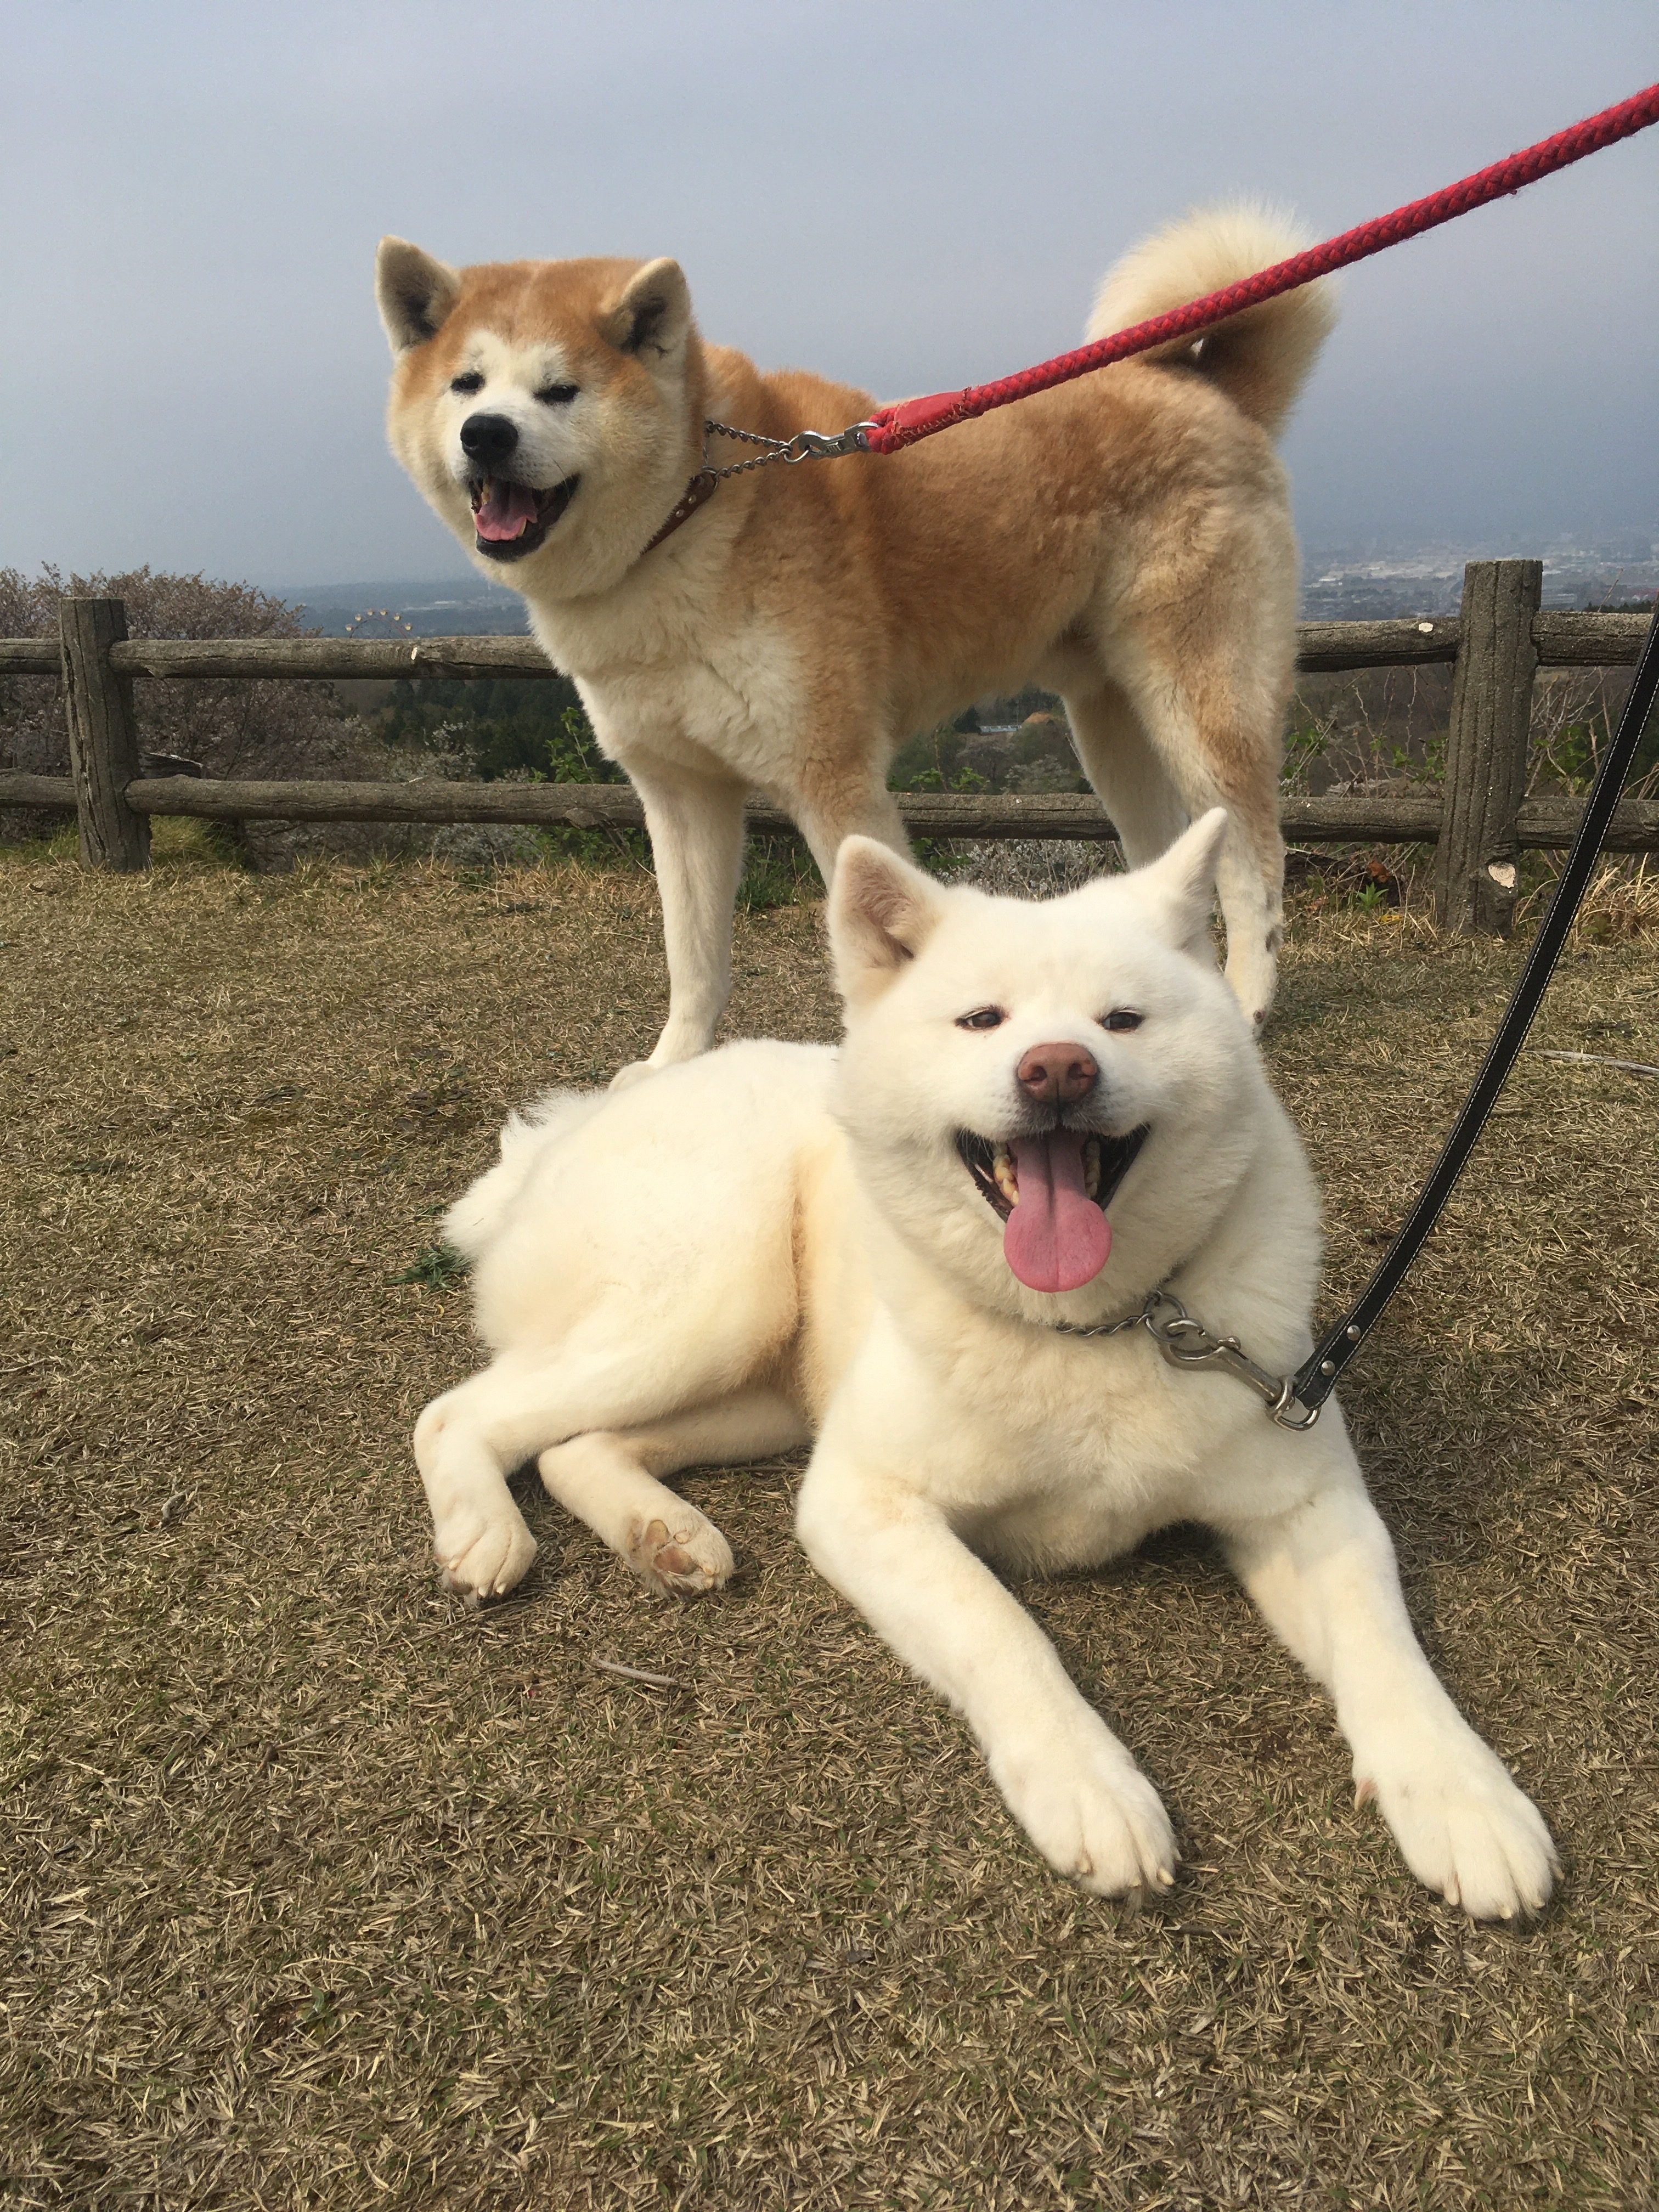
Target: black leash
x,y
1314,1381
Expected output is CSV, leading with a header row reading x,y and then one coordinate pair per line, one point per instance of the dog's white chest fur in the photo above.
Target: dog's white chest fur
x,y
668,673
1055,1452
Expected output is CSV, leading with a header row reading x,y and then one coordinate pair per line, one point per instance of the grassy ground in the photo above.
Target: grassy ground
x,y
317,1892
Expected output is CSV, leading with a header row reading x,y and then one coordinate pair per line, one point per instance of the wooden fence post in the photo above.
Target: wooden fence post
x,y
103,739
1474,862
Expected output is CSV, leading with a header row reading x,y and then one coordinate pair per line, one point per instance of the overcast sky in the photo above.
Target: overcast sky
x,y
907,195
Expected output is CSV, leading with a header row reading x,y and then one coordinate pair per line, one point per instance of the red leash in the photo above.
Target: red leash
x,y
892,428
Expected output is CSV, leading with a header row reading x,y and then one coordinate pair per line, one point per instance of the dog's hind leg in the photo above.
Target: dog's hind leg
x,y
1217,731
1202,644
696,826
469,1440
609,1479
1128,776
466,1443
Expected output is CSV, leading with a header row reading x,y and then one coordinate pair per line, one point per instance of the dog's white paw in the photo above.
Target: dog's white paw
x,y
1087,1806
1254,982
482,1556
687,1560
672,1049
636,1071
1465,1829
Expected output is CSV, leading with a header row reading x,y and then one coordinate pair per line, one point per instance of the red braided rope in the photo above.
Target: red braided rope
x,y
894,428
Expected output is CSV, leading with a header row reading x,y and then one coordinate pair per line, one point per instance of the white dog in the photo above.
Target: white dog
x,y
1042,1114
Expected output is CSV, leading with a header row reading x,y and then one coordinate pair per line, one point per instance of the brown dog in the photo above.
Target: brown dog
x,y
1124,539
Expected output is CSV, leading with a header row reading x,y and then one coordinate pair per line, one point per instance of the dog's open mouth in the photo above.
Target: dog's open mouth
x,y
1052,1191
512,520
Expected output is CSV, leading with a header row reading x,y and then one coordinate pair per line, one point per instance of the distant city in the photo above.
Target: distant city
x,y
1351,583
1373,583
417,609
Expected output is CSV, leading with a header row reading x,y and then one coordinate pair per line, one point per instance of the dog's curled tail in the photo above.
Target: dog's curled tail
x,y
1261,358
477,1218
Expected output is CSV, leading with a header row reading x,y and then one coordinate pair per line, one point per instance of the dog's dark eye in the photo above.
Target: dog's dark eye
x,y
982,1018
470,382
557,395
1122,1018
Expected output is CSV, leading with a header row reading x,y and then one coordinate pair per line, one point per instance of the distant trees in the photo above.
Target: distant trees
x,y
502,727
232,727
278,728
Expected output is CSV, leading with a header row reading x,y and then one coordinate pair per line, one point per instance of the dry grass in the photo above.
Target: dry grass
x,y
320,1893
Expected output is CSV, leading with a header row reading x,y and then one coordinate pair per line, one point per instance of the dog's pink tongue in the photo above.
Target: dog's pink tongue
x,y
1056,1238
507,510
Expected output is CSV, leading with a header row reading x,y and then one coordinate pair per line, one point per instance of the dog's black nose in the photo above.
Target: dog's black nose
x,y
488,438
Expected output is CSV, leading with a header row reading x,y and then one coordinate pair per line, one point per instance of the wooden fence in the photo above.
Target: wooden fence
x,y
1478,822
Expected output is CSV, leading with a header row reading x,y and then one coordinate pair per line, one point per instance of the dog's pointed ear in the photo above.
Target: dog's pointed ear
x,y
414,293
1177,891
653,313
881,912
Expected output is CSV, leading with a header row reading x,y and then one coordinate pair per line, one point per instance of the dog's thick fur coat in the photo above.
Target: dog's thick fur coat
x,y
775,1242
1124,539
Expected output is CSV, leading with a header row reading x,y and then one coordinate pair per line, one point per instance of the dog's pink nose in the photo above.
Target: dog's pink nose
x,y
1057,1072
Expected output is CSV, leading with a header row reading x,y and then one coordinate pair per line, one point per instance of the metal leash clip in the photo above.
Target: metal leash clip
x,y
1185,1342
821,446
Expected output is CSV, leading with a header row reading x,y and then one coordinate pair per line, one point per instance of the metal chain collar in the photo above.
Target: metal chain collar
x,y
1185,1342
805,445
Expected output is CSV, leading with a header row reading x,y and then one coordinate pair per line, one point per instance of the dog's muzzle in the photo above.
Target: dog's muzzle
x,y
1106,1161
510,519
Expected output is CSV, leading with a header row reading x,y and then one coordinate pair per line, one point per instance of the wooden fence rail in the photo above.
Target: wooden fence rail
x,y
1359,818
1478,822
1561,641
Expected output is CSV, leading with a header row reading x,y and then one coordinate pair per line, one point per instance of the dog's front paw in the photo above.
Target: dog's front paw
x,y
636,1071
482,1556
1088,1808
1465,1829
672,1049
688,1560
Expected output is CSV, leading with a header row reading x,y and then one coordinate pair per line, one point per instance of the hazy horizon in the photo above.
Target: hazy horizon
x,y
908,198
1637,546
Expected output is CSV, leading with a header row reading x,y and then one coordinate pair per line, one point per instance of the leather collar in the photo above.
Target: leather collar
x,y
701,488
